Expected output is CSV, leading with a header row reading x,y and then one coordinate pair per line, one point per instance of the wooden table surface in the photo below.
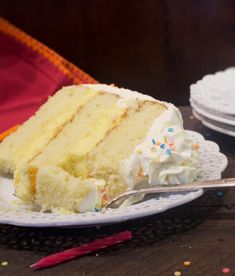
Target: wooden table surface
x,y
202,232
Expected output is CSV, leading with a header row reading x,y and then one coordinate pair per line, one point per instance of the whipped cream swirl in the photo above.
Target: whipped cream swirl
x,y
166,156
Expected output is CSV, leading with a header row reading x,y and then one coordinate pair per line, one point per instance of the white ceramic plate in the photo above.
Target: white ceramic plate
x,y
216,92
211,164
219,127
213,115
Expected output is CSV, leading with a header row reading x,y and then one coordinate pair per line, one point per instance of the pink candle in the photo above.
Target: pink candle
x,y
75,252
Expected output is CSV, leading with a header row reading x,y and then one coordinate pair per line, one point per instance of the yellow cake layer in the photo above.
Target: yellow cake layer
x,y
60,192
88,128
31,138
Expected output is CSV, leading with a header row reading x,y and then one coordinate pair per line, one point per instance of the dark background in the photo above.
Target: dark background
x,y
156,47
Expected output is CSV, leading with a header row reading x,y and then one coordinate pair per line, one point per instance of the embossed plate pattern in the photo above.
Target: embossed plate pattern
x,y
216,92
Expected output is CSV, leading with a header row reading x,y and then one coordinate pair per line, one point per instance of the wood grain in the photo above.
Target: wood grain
x,y
155,46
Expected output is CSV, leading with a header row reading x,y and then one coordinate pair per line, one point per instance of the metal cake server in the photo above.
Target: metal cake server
x,y
205,184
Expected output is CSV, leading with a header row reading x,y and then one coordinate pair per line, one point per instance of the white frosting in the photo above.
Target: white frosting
x,y
172,161
166,155
125,94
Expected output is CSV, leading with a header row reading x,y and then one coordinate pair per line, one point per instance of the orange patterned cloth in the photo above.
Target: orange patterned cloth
x,y
29,73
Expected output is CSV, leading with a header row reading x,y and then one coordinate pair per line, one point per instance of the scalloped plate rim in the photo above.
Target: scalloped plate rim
x,y
197,87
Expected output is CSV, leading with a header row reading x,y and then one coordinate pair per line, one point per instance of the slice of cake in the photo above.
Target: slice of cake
x,y
114,140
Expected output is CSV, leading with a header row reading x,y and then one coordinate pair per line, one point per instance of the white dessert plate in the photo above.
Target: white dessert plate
x,y
214,125
216,91
211,164
213,115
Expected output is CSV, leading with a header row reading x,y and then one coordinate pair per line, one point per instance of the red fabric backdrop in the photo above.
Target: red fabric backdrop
x,y
29,73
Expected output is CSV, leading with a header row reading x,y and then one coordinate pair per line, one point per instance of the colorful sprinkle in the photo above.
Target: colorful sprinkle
x,y
187,263
195,146
4,263
172,146
153,141
140,172
225,270
170,129
177,273
139,151
97,209
162,146
104,198
158,143
168,152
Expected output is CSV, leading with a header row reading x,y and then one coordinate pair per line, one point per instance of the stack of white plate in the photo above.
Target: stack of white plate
x,y
213,101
